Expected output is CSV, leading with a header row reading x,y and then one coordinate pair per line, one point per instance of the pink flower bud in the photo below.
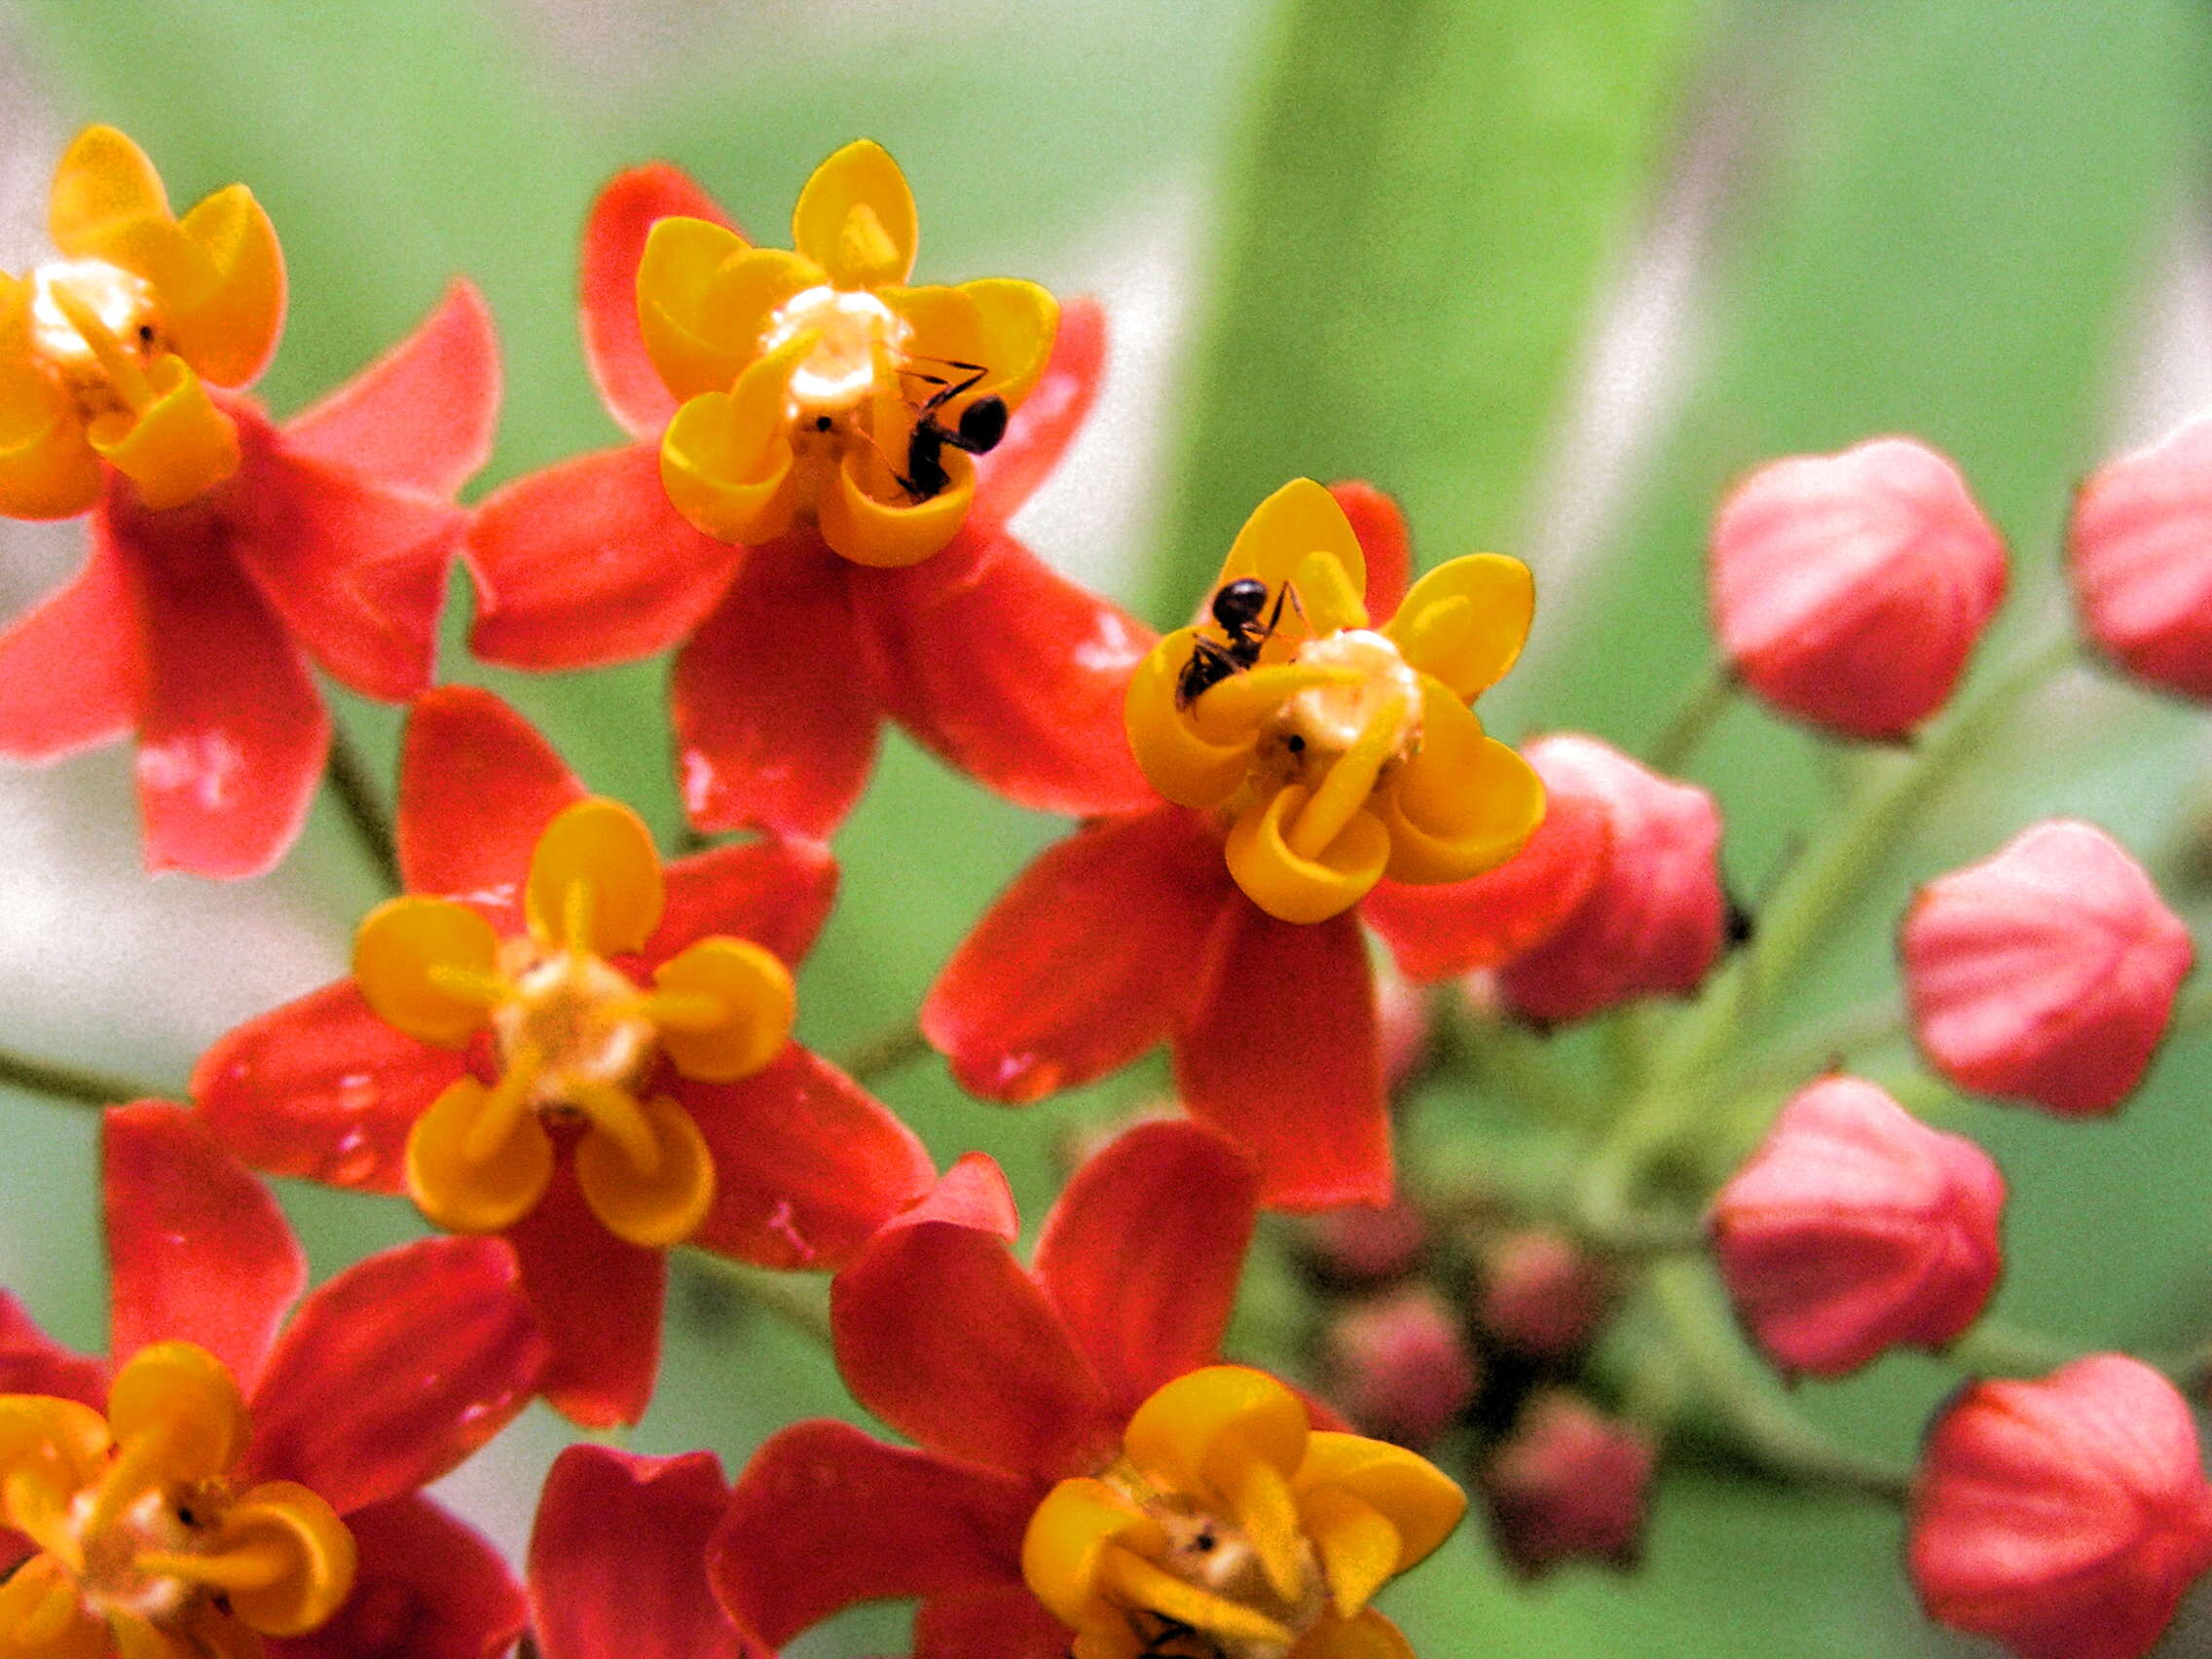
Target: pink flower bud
x,y
1856,1228
1399,1367
1849,589
1652,922
2046,973
1362,1245
2139,546
2066,1518
1542,1296
1571,1483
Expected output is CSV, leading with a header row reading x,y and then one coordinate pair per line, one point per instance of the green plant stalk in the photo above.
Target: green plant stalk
x,y
352,782
74,1083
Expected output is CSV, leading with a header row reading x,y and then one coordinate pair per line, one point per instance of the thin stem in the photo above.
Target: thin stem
x,y
1734,1384
72,1083
1994,1349
354,785
1708,699
1822,1046
879,1053
800,1303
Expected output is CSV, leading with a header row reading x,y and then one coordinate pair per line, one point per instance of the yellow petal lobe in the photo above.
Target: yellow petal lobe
x,y
653,1208
727,1008
595,880
461,1185
1466,621
856,218
1291,886
427,967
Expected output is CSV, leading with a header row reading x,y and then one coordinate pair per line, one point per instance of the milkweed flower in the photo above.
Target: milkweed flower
x,y
2139,550
1850,589
1856,1228
1144,926
226,552
554,1039
2066,1518
775,397
228,1476
1083,1464
2046,973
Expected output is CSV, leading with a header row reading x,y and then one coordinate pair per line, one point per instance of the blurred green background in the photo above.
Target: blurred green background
x,y
1554,273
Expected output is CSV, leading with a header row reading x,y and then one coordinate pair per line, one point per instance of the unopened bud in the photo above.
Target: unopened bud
x,y
1570,1485
1361,1246
1399,1367
1854,1229
2046,973
2139,549
1541,1295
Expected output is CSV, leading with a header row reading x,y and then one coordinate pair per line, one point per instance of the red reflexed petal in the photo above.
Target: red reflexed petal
x,y
356,568
618,1557
586,564
1009,672
477,786
395,1371
973,1192
807,1163
31,1362
599,1300
1439,932
1381,531
197,1248
614,240
1086,961
1284,1058
824,1517
69,665
428,1587
424,415
1143,1251
775,721
945,1338
1001,1624
777,894
1049,417
321,1089
231,731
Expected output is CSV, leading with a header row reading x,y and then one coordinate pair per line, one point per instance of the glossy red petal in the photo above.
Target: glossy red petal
x,y
1439,932
422,416
1000,1624
477,786
1142,1253
1283,1058
31,1362
777,894
321,1089
197,1248
614,240
618,1557
1087,960
824,1517
395,1371
1383,543
428,1587
599,1302
807,1163
231,731
775,719
973,1192
69,665
945,1338
1049,417
586,564
1011,673
354,567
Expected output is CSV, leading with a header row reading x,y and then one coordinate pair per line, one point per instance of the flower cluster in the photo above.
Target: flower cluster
x,y
1300,861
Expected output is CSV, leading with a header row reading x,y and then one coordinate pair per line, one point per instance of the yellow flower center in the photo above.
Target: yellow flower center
x,y
1378,702
856,338
96,327
139,1530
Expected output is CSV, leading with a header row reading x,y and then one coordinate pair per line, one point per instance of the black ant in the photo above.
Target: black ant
x,y
978,432
1237,613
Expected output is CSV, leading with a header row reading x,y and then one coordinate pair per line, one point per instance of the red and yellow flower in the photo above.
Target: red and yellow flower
x,y
757,520
1083,1465
228,1478
1338,775
553,1037
226,552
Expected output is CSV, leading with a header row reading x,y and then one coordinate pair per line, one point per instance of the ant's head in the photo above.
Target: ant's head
x,y
982,424
1237,606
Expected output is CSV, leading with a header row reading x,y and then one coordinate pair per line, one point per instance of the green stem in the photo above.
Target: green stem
x,y
1735,1384
354,785
1707,701
1824,1044
71,1083
882,1052
800,1302
1994,1349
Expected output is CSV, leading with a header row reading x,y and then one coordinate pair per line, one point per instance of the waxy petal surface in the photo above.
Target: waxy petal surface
x,y
69,665
477,787
599,1302
614,240
31,1362
1002,1624
777,894
428,1587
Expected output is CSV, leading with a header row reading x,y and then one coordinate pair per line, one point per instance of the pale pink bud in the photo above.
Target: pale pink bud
x,y
1651,923
1541,1295
2046,973
1856,1228
1399,1367
2066,1518
1849,589
2139,547
1570,1485
1362,1245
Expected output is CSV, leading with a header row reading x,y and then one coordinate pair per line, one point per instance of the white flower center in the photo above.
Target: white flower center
x,y
122,302
851,328
1330,719
579,1017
